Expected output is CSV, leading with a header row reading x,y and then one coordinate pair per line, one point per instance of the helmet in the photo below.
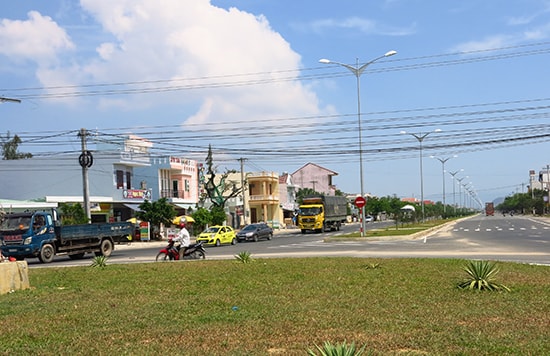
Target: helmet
x,y
182,224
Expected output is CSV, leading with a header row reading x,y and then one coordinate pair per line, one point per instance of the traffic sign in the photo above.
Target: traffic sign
x,y
360,202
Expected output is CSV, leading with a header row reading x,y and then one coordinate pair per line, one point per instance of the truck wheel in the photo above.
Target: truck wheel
x,y
46,253
303,231
105,249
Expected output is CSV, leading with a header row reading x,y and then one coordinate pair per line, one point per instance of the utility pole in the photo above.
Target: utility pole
x,y
86,160
243,189
313,182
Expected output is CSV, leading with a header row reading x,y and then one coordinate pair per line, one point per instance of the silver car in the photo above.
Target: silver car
x,y
254,232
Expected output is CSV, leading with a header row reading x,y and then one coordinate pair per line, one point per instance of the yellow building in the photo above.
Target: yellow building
x,y
263,198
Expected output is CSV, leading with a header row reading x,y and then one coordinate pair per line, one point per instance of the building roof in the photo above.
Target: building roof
x,y
330,172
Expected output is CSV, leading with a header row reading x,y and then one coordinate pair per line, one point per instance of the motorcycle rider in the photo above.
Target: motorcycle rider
x,y
183,238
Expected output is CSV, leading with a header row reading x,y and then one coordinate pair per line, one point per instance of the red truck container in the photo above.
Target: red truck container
x,y
489,209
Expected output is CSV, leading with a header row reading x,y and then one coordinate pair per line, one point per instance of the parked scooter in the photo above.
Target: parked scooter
x,y
192,252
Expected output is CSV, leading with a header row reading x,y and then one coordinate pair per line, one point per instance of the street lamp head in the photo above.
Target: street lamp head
x,y
402,132
325,61
437,130
390,53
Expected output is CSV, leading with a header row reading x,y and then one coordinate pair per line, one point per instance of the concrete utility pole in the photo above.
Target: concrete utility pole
x,y
243,189
86,160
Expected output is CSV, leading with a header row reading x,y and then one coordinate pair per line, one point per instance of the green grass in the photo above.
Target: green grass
x,y
401,229
276,307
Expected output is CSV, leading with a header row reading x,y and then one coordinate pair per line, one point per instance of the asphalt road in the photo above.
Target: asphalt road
x,y
523,239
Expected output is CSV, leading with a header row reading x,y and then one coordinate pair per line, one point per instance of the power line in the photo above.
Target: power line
x,y
260,78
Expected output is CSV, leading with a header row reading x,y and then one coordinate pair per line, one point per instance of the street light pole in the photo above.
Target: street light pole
x,y
453,174
443,160
459,180
357,70
420,137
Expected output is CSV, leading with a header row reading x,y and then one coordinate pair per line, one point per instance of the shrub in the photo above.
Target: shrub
x,y
343,349
244,257
481,277
99,261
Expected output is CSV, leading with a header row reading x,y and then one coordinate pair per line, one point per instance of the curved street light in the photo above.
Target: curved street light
x,y
420,137
443,161
357,70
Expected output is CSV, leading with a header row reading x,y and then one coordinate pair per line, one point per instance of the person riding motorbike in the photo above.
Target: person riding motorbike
x,y
184,240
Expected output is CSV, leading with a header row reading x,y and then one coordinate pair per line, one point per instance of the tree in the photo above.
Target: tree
x,y
156,213
219,194
72,214
218,215
202,218
9,148
304,192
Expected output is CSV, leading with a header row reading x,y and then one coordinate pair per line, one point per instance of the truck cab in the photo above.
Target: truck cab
x,y
23,234
311,217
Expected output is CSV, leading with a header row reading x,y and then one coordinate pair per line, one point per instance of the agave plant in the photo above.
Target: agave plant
x,y
244,257
99,261
481,276
343,349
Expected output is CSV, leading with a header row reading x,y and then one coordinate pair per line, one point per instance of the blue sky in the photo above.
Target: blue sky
x,y
244,76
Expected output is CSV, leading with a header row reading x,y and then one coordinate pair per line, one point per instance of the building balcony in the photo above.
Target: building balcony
x,y
170,193
262,176
263,199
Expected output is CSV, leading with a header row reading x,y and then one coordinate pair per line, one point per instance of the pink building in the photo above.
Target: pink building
x,y
315,177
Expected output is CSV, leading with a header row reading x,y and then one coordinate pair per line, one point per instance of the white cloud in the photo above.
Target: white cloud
x,y
38,39
195,44
362,25
535,33
489,42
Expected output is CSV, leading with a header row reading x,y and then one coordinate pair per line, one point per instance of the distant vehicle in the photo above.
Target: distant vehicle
x,y
322,212
217,235
489,209
254,232
368,219
40,234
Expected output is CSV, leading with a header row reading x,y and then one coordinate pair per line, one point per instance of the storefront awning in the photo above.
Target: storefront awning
x,y
184,206
134,207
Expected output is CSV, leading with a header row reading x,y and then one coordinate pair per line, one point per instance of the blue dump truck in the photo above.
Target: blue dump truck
x,y
39,234
321,213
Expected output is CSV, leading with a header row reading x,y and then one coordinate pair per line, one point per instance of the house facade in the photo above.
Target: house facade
x,y
315,177
173,178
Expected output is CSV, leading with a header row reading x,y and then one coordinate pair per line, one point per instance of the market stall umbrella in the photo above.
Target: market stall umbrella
x,y
185,218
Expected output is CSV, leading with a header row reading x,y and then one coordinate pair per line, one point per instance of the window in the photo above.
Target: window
x,y
129,180
119,179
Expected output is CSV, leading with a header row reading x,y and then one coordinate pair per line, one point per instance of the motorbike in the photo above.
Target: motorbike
x,y
192,252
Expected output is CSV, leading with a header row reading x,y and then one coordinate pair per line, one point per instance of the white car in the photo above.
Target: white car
x,y
368,219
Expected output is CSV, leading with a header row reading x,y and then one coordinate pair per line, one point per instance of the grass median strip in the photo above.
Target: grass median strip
x,y
276,306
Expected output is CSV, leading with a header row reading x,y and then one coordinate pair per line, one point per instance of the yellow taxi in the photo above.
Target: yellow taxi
x,y
217,235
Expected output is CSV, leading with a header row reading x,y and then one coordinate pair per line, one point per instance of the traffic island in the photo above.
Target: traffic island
x,y
13,276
